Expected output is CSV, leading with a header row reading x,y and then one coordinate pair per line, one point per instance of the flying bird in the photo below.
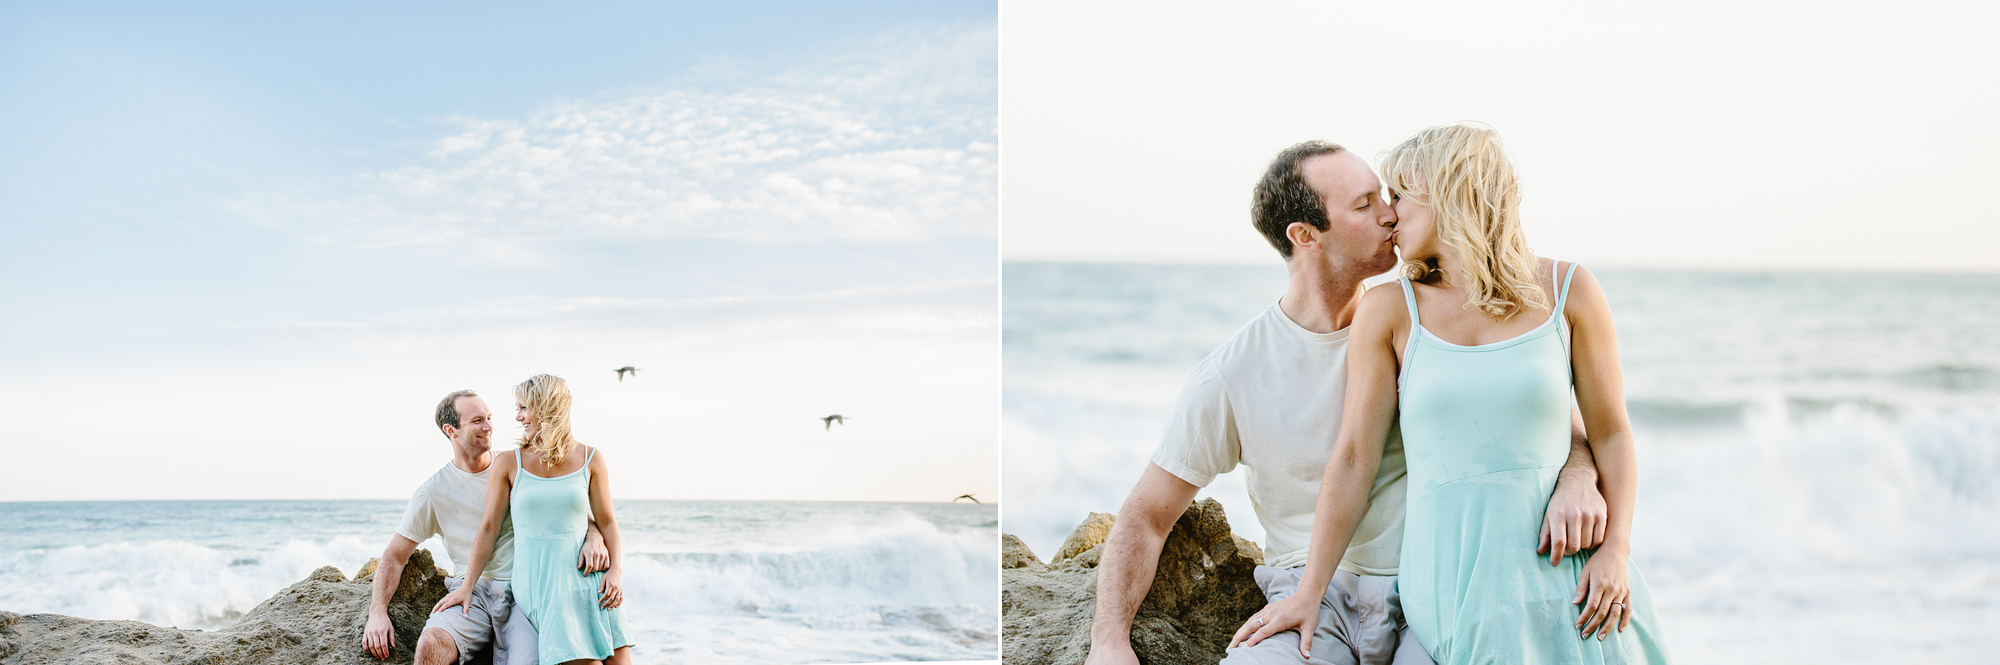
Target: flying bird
x,y
835,418
966,496
628,368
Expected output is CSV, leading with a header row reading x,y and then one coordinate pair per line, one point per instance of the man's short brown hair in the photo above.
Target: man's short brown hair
x,y
447,411
1282,196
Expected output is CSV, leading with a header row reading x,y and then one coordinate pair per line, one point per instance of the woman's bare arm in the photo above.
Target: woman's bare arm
x,y
499,490
611,593
1367,413
1600,394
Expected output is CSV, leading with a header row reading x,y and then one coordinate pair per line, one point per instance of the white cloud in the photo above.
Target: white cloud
x,y
891,138
538,307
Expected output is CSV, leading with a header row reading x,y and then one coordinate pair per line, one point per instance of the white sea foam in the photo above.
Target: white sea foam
x,y
706,582
169,583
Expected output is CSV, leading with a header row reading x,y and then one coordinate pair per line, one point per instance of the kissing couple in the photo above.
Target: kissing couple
x,y
1404,442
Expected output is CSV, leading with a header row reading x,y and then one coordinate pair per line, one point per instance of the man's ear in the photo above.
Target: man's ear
x,y
449,432
1302,235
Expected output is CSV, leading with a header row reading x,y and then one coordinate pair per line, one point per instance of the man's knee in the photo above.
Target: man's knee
x,y
436,647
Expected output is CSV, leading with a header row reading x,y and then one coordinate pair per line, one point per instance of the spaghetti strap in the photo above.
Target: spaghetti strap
x,y
1409,341
1562,297
1409,298
517,466
587,452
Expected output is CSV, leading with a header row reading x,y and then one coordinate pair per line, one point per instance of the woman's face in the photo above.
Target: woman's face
x,y
529,426
1416,229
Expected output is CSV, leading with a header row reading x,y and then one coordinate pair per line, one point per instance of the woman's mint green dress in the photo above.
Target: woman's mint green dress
x,y
1485,430
551,516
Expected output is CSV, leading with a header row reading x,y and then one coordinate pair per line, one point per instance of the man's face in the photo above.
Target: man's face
x,y
1360,225
474,433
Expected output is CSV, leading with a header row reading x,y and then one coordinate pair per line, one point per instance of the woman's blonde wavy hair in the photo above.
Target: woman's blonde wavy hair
x,y
1465,178
547,399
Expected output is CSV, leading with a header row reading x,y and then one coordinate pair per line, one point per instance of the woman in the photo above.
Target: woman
x,y
1475,354
551,487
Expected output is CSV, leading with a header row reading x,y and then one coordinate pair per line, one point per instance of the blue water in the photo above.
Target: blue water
x,y
706,581
1819,452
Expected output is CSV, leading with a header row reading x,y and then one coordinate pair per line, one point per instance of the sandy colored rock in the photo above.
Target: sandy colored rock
x,y
1015,554
1202,592
317,621
1091,533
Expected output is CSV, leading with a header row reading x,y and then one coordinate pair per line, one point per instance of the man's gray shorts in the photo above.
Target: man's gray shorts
x,y
1360,623
489,618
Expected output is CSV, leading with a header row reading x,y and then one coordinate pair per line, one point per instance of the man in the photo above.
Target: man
x,y
452,503
1270,399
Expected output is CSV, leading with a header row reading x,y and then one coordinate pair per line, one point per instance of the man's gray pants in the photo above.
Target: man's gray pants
x,y
1360,623
489,618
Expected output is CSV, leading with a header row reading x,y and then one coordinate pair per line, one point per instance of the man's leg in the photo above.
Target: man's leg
x,y
1374,616
1408,652
514,636
454,635
1330,644
435,647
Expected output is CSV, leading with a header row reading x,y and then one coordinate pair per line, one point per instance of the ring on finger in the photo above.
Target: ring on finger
x,y
1257,619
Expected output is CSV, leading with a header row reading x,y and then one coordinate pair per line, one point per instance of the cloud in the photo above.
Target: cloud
x,y
543,307
890,138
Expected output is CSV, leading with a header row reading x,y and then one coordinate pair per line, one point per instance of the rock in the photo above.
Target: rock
x,y
1015,554
1087,535
1202,592
317,621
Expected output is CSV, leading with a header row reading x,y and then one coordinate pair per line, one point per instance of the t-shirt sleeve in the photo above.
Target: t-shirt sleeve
x,y
419,519
1200,442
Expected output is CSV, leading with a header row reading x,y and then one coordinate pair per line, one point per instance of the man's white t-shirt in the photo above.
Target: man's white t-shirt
x,y
451,503
1270,399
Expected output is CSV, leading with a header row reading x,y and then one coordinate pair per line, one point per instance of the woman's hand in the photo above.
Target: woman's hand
x,y
1299,611
457,597
462,597
1605,591
611,593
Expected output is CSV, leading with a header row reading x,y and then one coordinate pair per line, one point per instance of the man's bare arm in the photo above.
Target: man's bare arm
x,y
1575,519
1131,556
379,637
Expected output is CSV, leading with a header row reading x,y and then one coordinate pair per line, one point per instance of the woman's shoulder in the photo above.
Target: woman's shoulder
x,y
1382,305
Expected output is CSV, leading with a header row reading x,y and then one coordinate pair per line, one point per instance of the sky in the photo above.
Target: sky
x,y
1693,135
249,246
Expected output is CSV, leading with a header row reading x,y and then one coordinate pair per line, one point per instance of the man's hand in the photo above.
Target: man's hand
x,y
1575,520
379,637
595,556
1111,652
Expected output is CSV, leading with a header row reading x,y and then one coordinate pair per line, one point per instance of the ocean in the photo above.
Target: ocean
x,y
705,581
1819,452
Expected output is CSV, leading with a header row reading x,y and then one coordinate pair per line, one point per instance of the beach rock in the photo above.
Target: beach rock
x,y
317,621
1202,591
1091,533
1015,554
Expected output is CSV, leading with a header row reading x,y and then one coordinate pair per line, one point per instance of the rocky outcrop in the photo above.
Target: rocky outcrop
x,y
317,621
1201,593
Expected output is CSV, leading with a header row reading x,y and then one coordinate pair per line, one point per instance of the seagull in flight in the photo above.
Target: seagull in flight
x,y
835,418
966,496
628,368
